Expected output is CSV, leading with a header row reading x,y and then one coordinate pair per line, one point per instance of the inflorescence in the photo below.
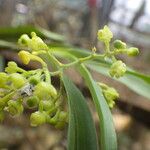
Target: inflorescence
x,y
33,88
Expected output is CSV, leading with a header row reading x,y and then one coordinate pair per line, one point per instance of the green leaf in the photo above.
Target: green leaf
x,y
13,33
82,133
77,52
51,35
107,132
137,82
6,45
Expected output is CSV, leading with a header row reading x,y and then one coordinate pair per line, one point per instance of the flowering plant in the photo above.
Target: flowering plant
x,y
34,89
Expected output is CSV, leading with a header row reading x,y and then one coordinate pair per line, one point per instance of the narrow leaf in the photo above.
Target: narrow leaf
x,y
13,33
6,45
107,132
82,133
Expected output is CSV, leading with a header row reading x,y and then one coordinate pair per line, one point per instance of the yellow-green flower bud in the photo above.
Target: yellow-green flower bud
x,y
37,43
47,105
24,40
38,118
110,95
117,69
133,51
2,116
3,79
62,119
35,79
45,90
5,99
12,67
17,80
54,119
24,56
32,101
104,35
119,44
15,107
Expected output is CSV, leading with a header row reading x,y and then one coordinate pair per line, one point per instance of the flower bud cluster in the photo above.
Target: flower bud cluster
x,y
118,68
34,43
109,93
121,47
20,88
104,35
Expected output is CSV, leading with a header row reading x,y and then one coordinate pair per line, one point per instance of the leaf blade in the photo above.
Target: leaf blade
x,y
13,33
82,133
107,132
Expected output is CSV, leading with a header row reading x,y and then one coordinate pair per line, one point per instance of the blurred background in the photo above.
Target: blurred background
x,y
78,21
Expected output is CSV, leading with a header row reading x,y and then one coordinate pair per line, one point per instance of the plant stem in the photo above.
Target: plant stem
x,y
54,60
81,60
47,75
107,48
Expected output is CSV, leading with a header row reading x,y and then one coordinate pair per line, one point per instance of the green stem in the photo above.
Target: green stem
x,y
113,58
81,60
31,72
60,91
47,75
5,99
118,51
40,107
87,58
34,57
76,61
54,60
70,64
58,72
107,47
